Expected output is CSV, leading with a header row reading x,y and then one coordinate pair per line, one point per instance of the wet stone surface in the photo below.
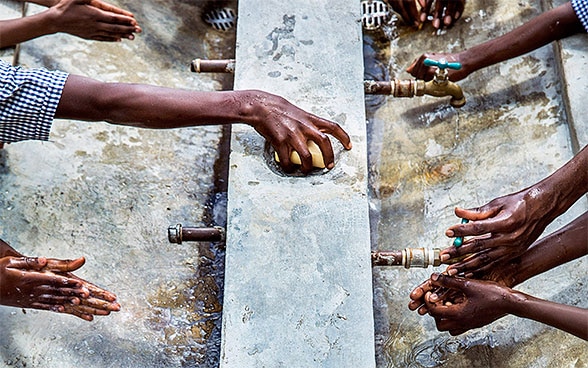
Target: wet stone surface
x,y
109,193
427,158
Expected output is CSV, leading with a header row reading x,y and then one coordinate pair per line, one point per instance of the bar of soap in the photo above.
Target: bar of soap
x,y
317,156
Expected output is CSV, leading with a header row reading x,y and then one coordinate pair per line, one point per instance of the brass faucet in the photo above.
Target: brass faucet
x,y
440,86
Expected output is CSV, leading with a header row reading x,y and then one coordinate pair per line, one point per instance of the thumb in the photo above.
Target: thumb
x,y
64,265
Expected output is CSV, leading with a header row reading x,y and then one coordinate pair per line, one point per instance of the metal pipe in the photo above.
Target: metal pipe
x,y
178,234
408,257
213,66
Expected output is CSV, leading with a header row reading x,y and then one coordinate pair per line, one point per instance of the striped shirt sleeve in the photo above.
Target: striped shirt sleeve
x,y
581,9
28,101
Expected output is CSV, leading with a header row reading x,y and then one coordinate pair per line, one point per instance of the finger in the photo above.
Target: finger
x,y
100,304
334,129
75,311
305,156
64,265
110,8
49,307
425,10
326,150
415,304
28,263
98,292
81,292
478,213
57,299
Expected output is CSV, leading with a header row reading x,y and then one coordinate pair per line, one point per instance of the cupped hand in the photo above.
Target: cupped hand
x,y
445,13
93,20
482,303
288,128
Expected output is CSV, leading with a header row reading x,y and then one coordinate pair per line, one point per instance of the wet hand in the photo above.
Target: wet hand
x,y
481,303
445,13
407,10
47,284
93,20
503,229
289,128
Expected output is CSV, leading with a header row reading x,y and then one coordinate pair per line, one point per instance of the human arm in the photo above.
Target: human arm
x,y
562,246
284,125
48,284
506,226
89,19
555,24
484,302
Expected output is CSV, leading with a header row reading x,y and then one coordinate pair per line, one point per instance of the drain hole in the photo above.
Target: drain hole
x,y
374,14
221,19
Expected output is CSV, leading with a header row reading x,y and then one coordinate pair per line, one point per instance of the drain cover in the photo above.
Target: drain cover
x,y
374,14
221,19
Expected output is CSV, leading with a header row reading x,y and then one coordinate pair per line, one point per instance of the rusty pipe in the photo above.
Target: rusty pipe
x,y
178,234
408,257
416,87
213,66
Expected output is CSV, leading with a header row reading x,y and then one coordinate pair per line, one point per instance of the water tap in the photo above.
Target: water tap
x,y
408,257
440,86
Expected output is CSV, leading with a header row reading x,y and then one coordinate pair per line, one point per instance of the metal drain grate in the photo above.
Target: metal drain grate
x,y
374,14
221,19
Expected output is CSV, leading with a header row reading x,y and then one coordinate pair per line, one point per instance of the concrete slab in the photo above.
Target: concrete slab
x,y
298,274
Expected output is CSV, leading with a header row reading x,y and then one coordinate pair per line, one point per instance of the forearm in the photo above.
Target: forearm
x,y
562,246
18,30
552,25
567,318
564,187
147,106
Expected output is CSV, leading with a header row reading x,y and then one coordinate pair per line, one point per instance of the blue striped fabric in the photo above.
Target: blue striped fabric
x,y
581,9
28,101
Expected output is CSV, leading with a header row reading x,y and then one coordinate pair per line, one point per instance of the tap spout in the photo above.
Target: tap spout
x,y
416,87
408,257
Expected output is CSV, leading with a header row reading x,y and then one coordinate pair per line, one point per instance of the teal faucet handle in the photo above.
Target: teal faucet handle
x,y
442,64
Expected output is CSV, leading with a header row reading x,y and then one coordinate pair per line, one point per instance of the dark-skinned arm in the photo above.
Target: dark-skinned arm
x,y
506,226
88,19
285,126
555,24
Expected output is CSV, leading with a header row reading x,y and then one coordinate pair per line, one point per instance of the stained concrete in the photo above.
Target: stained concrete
x,y
298,274
427,158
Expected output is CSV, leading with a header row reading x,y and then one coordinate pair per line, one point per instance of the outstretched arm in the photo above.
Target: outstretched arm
x,y
485,301
285,126
89,19
555,24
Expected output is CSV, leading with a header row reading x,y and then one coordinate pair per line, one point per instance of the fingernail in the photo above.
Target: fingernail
x,y
452,272
330,166
445,257
449,233
435,276
436,23
433,297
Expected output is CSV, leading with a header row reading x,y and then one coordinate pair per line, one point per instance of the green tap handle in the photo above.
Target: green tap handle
x,y
459,240
442,64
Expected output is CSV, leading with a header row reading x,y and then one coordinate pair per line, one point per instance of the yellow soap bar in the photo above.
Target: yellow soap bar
x,y
317,156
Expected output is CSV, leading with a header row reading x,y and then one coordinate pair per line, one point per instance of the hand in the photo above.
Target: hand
x,y
93,20
48,284
407,10
288,128
509,225
481,303
445,14
419,70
